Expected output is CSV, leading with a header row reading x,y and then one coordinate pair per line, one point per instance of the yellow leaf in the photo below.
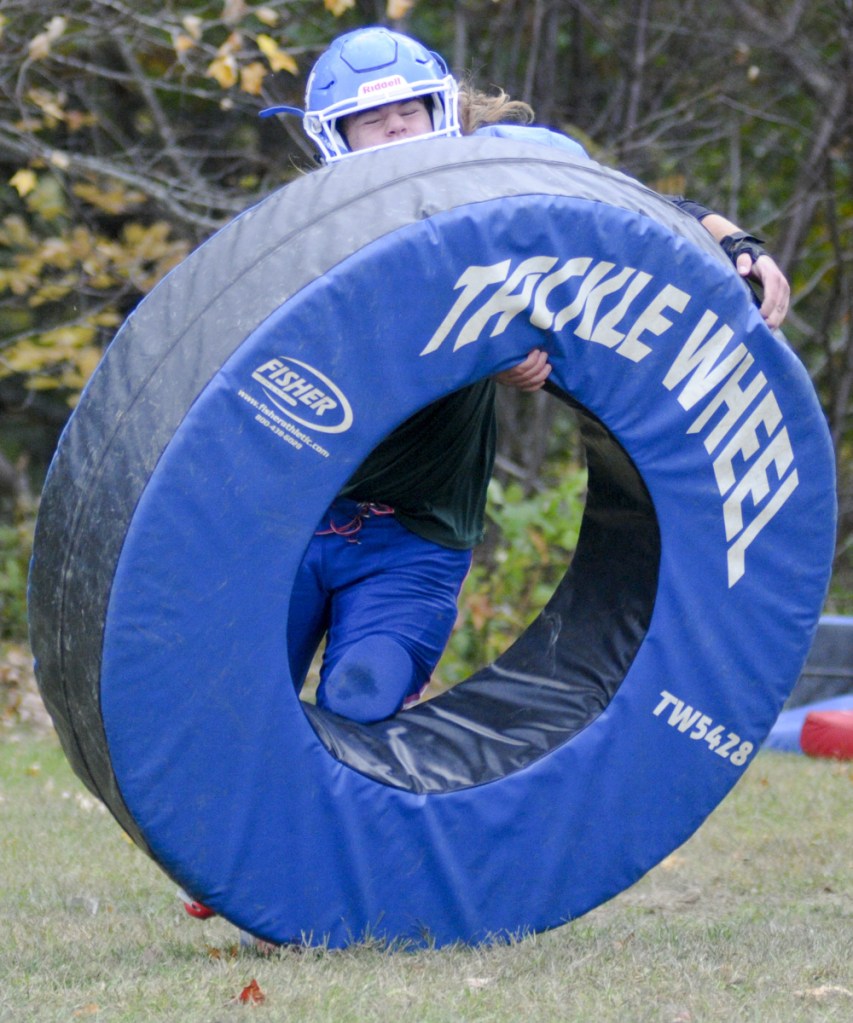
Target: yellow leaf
x,y
233,10
19,281
267,16
28,125
232,43
48,102
40,45
193,24
102,280
106,319
251,77
224,70
15,232
76,120
50,293
338,7
278,59
149,239
48,198
399,8
114,200
68,337
22,357
183,43
23,181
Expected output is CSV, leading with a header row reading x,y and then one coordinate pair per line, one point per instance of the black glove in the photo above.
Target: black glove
x,y
736,244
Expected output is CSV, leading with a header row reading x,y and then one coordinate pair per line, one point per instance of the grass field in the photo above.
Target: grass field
x,y
751,920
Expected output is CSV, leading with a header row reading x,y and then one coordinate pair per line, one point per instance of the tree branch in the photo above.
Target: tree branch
x,y
28,148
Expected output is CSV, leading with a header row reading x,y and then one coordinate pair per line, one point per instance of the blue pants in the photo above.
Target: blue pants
x,y
386,600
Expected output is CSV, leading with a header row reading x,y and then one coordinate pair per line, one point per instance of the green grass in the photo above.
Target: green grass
x,y
751,920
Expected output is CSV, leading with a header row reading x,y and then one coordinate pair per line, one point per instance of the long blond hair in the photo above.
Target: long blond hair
x,y
477,108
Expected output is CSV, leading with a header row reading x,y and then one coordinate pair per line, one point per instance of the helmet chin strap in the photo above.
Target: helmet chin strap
x,y
438,133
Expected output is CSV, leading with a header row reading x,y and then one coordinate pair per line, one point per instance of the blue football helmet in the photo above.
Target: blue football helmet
x,y
368,68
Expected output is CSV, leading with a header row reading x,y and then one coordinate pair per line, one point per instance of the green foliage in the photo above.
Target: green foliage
x,y
129,132
69,287
16,544
532,539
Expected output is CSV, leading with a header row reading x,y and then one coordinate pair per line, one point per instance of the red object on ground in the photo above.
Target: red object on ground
x,y
199,910
828,733
252,993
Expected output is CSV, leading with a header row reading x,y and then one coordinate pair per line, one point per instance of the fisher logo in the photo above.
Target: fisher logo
x,y
382,85
304,395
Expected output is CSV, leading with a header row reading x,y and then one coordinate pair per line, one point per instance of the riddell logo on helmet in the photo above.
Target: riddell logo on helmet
x,y
382,85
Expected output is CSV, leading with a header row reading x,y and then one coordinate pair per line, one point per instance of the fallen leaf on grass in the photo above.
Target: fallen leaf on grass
x,y
87,1010
820,994
228,952
250,995
478,982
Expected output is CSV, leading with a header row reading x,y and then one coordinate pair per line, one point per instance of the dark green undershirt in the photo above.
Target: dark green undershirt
x,y
434,469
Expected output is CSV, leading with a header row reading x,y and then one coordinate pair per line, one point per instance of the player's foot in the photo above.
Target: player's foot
x,y
258,944
194,907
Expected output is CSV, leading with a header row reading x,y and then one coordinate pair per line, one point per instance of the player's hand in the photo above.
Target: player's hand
x,y
528,375
777,291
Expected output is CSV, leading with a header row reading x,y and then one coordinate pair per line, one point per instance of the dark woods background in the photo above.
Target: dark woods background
x,y
129,133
